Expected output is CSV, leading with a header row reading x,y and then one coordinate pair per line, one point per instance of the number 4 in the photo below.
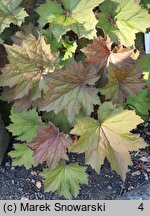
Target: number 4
x,y
141,207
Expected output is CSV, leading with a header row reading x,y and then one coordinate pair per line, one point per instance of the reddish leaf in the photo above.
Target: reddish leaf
x,y
123,82
50,145
100,52
72,90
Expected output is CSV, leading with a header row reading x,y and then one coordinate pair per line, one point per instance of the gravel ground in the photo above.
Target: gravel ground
x,y
19,183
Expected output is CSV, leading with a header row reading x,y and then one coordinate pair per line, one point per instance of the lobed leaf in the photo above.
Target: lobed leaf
x,y
144,62
59,120
141,104
70,90
65,179
101,51
121,20
11,12
50,145
70,50
75,15
123,82
28,34
109,136
22,155
24,125
24,78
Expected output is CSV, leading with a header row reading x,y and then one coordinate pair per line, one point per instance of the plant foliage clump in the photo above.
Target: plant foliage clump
x,y
77,79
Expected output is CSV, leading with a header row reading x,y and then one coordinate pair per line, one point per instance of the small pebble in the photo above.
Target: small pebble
x,y
34,173
130,188
136,173
146,176
24,198
38,184
145,159
146,124
33,181
7,164
148,169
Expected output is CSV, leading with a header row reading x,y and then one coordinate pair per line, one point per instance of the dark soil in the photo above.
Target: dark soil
x,y
19,183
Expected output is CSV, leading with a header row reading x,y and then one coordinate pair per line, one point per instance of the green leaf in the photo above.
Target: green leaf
x,y
59,120
109,136
11,12
121,20
70,50
141,104
75,15
22,155
65,179
71,90
146,4
55,45
144,62
1,41
24,125
146,77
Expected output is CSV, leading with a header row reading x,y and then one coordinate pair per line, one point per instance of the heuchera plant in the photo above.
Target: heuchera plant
x,y
78,81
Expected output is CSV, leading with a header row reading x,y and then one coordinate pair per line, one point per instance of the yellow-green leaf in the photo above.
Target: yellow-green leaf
x,y
22,155
75,15
121,20
109,137
65,179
